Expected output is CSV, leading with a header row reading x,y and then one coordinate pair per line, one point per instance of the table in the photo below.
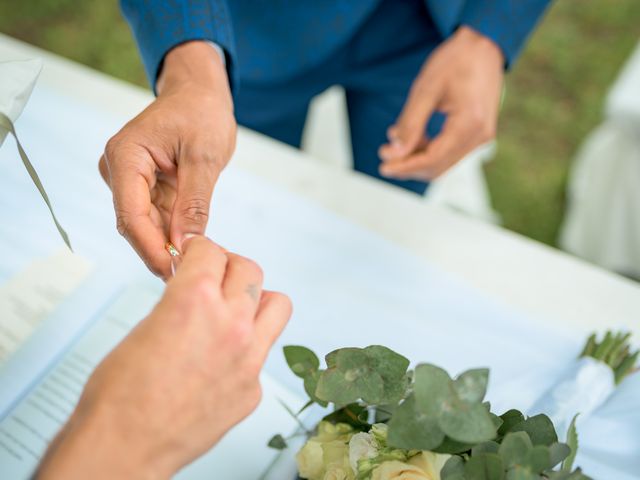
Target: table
x,y
529,276
457,263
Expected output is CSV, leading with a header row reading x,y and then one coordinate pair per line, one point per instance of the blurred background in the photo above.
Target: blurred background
x,y
555,94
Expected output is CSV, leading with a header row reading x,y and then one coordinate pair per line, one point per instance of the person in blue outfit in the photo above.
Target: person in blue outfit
x,y
423,81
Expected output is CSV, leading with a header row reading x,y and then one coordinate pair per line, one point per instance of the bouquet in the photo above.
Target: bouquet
x,y
392,423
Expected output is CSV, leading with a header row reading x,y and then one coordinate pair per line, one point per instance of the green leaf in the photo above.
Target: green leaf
x,y
432,388
557,453
471,386
562,475
350,414
301,360
572,443
310,386
278,442
540,429
467,423
514,448
488,466
392,367
413,430
538,459
376,374
485,447
452,467
510,419
452,446
521,473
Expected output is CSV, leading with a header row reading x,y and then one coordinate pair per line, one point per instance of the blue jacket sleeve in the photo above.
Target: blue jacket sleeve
x,y
160,25
507,22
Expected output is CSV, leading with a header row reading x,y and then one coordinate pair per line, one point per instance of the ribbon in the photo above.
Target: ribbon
x,y
7,124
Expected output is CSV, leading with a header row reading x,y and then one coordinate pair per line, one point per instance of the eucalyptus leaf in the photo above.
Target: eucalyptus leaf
x,y
540,429
277,442
510,419
572,443
452,467
538,459
471,386
487,466
301,360
521,473
452,446
485,447
432,388
413,430
467,423
558,452
514,448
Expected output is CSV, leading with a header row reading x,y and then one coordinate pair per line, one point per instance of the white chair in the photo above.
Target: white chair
x,y
602,223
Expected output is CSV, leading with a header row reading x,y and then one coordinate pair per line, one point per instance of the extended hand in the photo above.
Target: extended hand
x,y
184,376
463,79
162,166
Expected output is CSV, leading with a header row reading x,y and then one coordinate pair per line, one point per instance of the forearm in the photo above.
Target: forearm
x,y
92,446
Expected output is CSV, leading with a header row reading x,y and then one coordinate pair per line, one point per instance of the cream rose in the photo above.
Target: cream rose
x,y
431,463
338,473
396,470
424,466
309,460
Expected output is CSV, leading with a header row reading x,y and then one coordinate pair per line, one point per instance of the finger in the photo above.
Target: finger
x,y
131,176
243,281
200,256
197,174
409,129
453,143
273,314
104,171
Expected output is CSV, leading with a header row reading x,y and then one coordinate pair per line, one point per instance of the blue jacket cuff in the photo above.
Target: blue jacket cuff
x,y
508,23
160,26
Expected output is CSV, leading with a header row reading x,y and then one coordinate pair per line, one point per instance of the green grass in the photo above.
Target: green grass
x,y
555,93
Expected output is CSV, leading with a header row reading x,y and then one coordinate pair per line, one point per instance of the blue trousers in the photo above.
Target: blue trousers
x,y
376,68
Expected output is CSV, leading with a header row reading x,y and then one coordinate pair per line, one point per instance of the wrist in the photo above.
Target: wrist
x,y
480,42
193,64
93,445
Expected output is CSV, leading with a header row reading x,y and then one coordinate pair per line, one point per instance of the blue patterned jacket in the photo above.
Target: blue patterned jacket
x,y
271,40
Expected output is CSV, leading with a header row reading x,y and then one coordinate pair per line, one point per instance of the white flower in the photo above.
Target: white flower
x,y
430,462
309,460
361,446
424,466
396,470
338,473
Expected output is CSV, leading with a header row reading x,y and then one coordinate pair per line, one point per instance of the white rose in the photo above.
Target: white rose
x,y
361,446
430,462
338,473
310,461
396,470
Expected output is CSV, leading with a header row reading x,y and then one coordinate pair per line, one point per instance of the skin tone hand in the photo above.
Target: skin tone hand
x,y
180,380
463,79
162,166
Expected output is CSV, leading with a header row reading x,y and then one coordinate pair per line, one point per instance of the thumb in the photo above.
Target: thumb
x,y
409,130
196,179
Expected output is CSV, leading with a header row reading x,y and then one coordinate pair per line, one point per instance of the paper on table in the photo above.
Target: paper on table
x,y
24,433
28,428
17,79
31,295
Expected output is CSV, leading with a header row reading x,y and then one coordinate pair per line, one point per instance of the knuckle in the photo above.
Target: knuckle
x,y
205,288
239,333
195,210
122,224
